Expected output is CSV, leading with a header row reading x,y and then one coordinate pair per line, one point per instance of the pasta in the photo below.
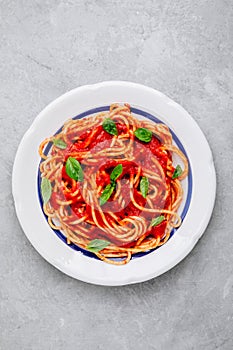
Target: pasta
x,y
110,185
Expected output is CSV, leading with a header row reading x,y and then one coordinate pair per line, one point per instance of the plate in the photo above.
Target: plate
x,y
199,187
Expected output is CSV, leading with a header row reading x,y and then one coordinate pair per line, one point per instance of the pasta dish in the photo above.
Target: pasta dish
x,y
110,185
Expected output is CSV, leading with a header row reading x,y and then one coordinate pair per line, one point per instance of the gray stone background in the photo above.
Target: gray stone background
x,y
183,48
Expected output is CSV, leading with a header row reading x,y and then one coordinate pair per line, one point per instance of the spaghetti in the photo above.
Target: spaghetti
x,y
109,184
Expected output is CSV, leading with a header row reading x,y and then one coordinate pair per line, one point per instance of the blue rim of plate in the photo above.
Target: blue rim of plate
x,y
148,116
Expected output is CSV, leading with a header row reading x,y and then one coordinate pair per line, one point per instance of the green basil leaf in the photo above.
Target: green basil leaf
x,y
106,194
97,244
74,169
59,143
46,190
144,186
177,172
110,126
143,134
157,221
117,171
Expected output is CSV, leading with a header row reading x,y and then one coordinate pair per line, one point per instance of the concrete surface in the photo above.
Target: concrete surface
x,y
183,48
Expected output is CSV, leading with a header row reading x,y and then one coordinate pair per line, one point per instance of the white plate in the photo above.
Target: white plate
x,y
200,188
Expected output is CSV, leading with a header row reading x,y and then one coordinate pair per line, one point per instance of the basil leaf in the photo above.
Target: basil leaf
x,y
177,172
144,186
157,221
143,134
74,169
106,193
46,190
110,126
59,143
117,171
97,244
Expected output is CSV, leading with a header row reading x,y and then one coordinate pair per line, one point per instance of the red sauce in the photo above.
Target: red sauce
x,y
96,140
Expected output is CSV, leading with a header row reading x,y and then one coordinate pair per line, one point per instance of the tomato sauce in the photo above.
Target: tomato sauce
x,y
97,140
